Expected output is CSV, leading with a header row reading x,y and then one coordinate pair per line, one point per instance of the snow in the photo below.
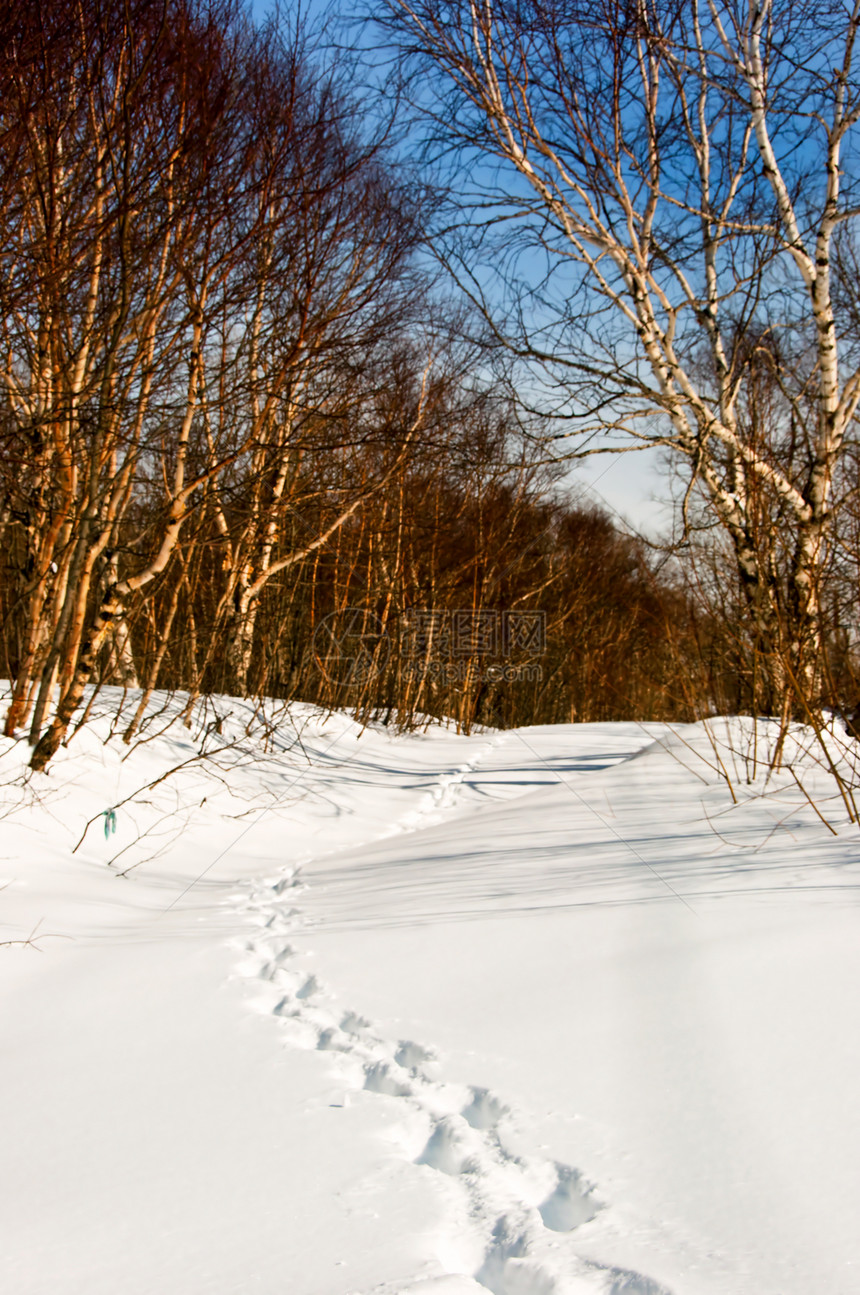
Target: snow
x,y
345,1012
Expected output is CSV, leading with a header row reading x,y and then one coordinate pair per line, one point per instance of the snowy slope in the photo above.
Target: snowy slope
x,y
535,1012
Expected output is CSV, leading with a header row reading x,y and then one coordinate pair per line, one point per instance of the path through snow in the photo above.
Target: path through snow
x,y
539,1013
511,1205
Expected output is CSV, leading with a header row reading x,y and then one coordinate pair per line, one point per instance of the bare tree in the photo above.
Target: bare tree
x,y
674,177
119,248
330,281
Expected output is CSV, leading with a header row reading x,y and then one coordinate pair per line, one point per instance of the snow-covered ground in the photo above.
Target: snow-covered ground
x,y
337,1012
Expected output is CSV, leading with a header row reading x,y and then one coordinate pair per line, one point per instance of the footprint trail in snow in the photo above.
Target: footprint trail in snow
x,y
518,1215
446,793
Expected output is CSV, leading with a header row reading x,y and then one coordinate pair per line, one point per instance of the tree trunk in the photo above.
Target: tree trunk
x,y
110,611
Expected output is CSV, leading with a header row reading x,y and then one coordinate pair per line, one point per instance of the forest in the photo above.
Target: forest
x,y
268,428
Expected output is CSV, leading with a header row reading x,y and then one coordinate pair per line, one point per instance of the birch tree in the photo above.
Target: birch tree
x,y
670,179
329,281
119,241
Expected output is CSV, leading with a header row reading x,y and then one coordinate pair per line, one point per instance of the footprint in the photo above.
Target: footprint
x,y
289,882
447,1149
571,1203
279,920
352,1023
506,1270
485,1110
331,1039
270,969
412,1055
309,988
379,1077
